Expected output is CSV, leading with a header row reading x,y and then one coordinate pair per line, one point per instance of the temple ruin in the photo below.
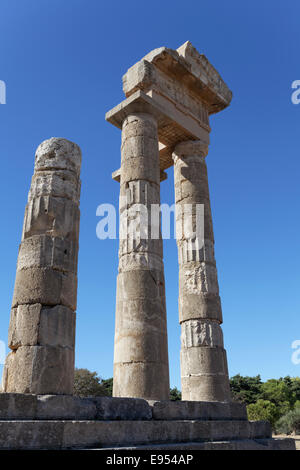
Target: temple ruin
x,y
169,98
170,95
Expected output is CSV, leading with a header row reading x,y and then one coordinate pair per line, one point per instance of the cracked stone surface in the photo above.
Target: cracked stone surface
x,y
204,372
170,95
42,322
141,366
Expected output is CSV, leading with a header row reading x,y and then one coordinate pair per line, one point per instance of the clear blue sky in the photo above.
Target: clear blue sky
x,y
63,61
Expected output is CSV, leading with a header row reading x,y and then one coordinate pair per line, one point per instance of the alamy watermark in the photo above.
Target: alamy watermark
x,y
142,222
2,92
296,354
296,94
2,352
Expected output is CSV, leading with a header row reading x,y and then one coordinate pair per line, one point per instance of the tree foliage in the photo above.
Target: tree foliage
x,y
262,410
278,392
294,385
108,386
175,394
268,400
289,423
246,389
87,383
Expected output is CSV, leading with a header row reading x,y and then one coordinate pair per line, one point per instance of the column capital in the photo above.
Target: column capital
x,y
190,148
116,175
174,125
144,115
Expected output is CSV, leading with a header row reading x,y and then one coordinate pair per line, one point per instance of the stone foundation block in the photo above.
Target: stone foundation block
x,y
260,429
243,444
65,407
15,406
104,434
176,410
31,435
121,408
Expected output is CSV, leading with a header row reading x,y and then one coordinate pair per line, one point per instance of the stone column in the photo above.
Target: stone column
x,y
141,366
42,323
204,372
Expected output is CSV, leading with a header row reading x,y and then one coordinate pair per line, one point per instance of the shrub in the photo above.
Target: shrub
x,y
263,410
290,422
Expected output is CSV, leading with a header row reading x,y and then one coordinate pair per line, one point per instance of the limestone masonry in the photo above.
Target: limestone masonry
x,y
141,366
165,120
42,322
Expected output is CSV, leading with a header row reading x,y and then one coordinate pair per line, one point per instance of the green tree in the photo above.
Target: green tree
x,y
278,392
245,389
87,383
175,394
263,410
108,386
295,387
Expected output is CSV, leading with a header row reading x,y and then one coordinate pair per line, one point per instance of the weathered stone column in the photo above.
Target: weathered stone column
x,y
204,373
42,323
141,366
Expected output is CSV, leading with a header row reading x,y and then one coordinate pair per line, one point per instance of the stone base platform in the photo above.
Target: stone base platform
x,y
66,422
238,444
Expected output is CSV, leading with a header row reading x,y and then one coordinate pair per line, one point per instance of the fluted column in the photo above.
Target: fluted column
x,y
204,373
141,353
42,322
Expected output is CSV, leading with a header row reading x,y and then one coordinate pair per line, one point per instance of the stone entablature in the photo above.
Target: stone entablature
x,y
184,89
